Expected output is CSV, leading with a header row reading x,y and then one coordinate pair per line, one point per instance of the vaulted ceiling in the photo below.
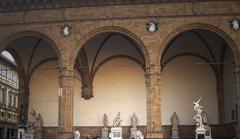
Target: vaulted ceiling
x,y
30,53
100,50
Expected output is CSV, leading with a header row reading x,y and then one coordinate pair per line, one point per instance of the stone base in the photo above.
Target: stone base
x,y
105,133
133,133
208,133
154,135
21,133
175,134
116,133
200,133
33,135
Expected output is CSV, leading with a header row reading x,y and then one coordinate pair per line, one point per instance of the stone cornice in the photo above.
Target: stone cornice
x,y
24,5
160,10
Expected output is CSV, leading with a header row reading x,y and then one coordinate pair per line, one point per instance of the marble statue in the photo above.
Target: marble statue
x,y
32,120
105,120
198,117
134,121
39,122
117,120
76,134
140,135
174,120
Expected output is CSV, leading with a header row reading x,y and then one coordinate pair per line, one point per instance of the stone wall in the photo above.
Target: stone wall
x,y
185,131
130,20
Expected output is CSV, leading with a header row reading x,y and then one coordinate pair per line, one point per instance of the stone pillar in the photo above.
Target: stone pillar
x,y
237,77
220,95
65,106
154,123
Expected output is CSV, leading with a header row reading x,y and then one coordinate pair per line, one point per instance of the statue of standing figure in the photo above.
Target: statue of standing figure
x,y
105,120
117,120
39,122
22,116
134,121
174,120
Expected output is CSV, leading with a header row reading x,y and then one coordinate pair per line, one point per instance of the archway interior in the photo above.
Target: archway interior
x,y
199,63
37,68
110,71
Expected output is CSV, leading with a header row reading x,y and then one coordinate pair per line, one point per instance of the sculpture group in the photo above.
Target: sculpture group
x,y
201,120
203,130
33,129
116,129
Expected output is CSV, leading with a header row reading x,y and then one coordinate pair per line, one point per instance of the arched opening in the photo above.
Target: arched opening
x,y
199,63
110,79
37,64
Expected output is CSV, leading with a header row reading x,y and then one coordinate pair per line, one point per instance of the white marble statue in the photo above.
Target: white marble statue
x,y
134,121
105,120
140,135
32,120
174,120
35,121
198,117
39,122
117,121
76,134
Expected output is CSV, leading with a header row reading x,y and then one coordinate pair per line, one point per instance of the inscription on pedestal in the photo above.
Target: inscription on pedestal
x,y
200,136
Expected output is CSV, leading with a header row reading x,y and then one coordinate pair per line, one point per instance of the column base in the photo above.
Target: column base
x,y
65,135
154,135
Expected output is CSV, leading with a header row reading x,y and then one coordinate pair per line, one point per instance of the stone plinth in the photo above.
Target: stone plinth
x,y
21,133
208,133
175,134
33,134
116,133
105,133
133,133
200,133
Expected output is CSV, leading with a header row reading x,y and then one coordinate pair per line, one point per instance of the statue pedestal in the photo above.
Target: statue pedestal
x,y
116,133
21,133
133,133
175,133
208,133
33,134
38,134
105,133
200,133
29,136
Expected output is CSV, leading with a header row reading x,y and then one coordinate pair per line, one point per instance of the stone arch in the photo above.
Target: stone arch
x,y
21,34
222,34
98,31
23,81
177,32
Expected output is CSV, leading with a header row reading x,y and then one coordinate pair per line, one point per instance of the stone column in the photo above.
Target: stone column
x,y
154,125
220,95
237,77
65,106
